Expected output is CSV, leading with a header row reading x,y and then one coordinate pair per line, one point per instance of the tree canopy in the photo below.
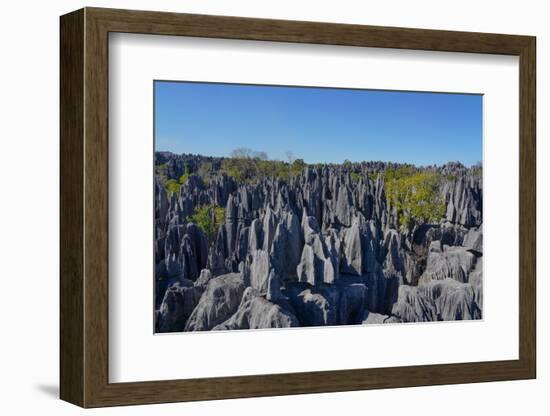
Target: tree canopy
x,y
247,165
415,195
209,218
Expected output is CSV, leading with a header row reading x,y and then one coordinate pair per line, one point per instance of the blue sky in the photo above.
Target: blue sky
x,y
318,124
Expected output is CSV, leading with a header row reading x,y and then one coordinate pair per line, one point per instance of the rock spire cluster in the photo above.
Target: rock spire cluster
x,y
321,247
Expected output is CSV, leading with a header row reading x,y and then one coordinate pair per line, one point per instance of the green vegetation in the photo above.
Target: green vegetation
x,y
272,169
204,171
161,169
355,177
477,170
415,195
249,166
172,186
239,169
297,166
183,178
209,218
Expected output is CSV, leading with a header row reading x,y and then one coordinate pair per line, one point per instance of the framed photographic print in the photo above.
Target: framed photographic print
x,y
255,207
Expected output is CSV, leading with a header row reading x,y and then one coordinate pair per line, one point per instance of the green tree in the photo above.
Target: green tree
x,y
172,186
183,178
234,168
209,218
248,166
355,176
204,171
297,166
415,195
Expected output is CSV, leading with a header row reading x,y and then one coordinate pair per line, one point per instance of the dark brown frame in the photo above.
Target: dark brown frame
x,y
84,210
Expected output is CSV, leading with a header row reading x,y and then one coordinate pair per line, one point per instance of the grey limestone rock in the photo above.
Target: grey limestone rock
x,y
242,243
474,240
278,254
453,300
320,246
476,280
344,204
259,313
374,318
231,222
204,277
295,241
448,263
176,307
332,262
353,251
219,301
317,306
464,201
383,290
316,264
255,238
273,287
268,229
352,305
394,266
414,306
257,270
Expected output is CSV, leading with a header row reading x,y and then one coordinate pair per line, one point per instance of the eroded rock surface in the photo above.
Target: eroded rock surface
x,y
219,301
323,246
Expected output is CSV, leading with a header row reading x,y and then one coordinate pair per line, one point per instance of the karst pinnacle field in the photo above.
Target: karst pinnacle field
x,y
279,207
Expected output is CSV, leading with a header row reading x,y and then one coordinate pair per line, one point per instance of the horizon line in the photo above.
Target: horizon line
x,y
333,163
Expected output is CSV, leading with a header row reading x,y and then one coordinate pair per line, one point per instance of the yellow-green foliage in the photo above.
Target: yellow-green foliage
x,y
160,170
355,176
272,169
183,178
415,195
209,218
297,167
204,171
172,186
477,170
251,169
248,166
238,168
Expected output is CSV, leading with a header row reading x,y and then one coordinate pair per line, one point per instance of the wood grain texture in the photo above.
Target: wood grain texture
x,y
162,23
84,205
96,219
71,100
527,208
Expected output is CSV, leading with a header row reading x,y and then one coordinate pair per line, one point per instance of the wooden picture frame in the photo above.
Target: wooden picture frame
x,y
84,207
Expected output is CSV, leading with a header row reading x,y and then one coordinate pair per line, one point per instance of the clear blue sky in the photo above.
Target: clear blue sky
x,y
318,124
